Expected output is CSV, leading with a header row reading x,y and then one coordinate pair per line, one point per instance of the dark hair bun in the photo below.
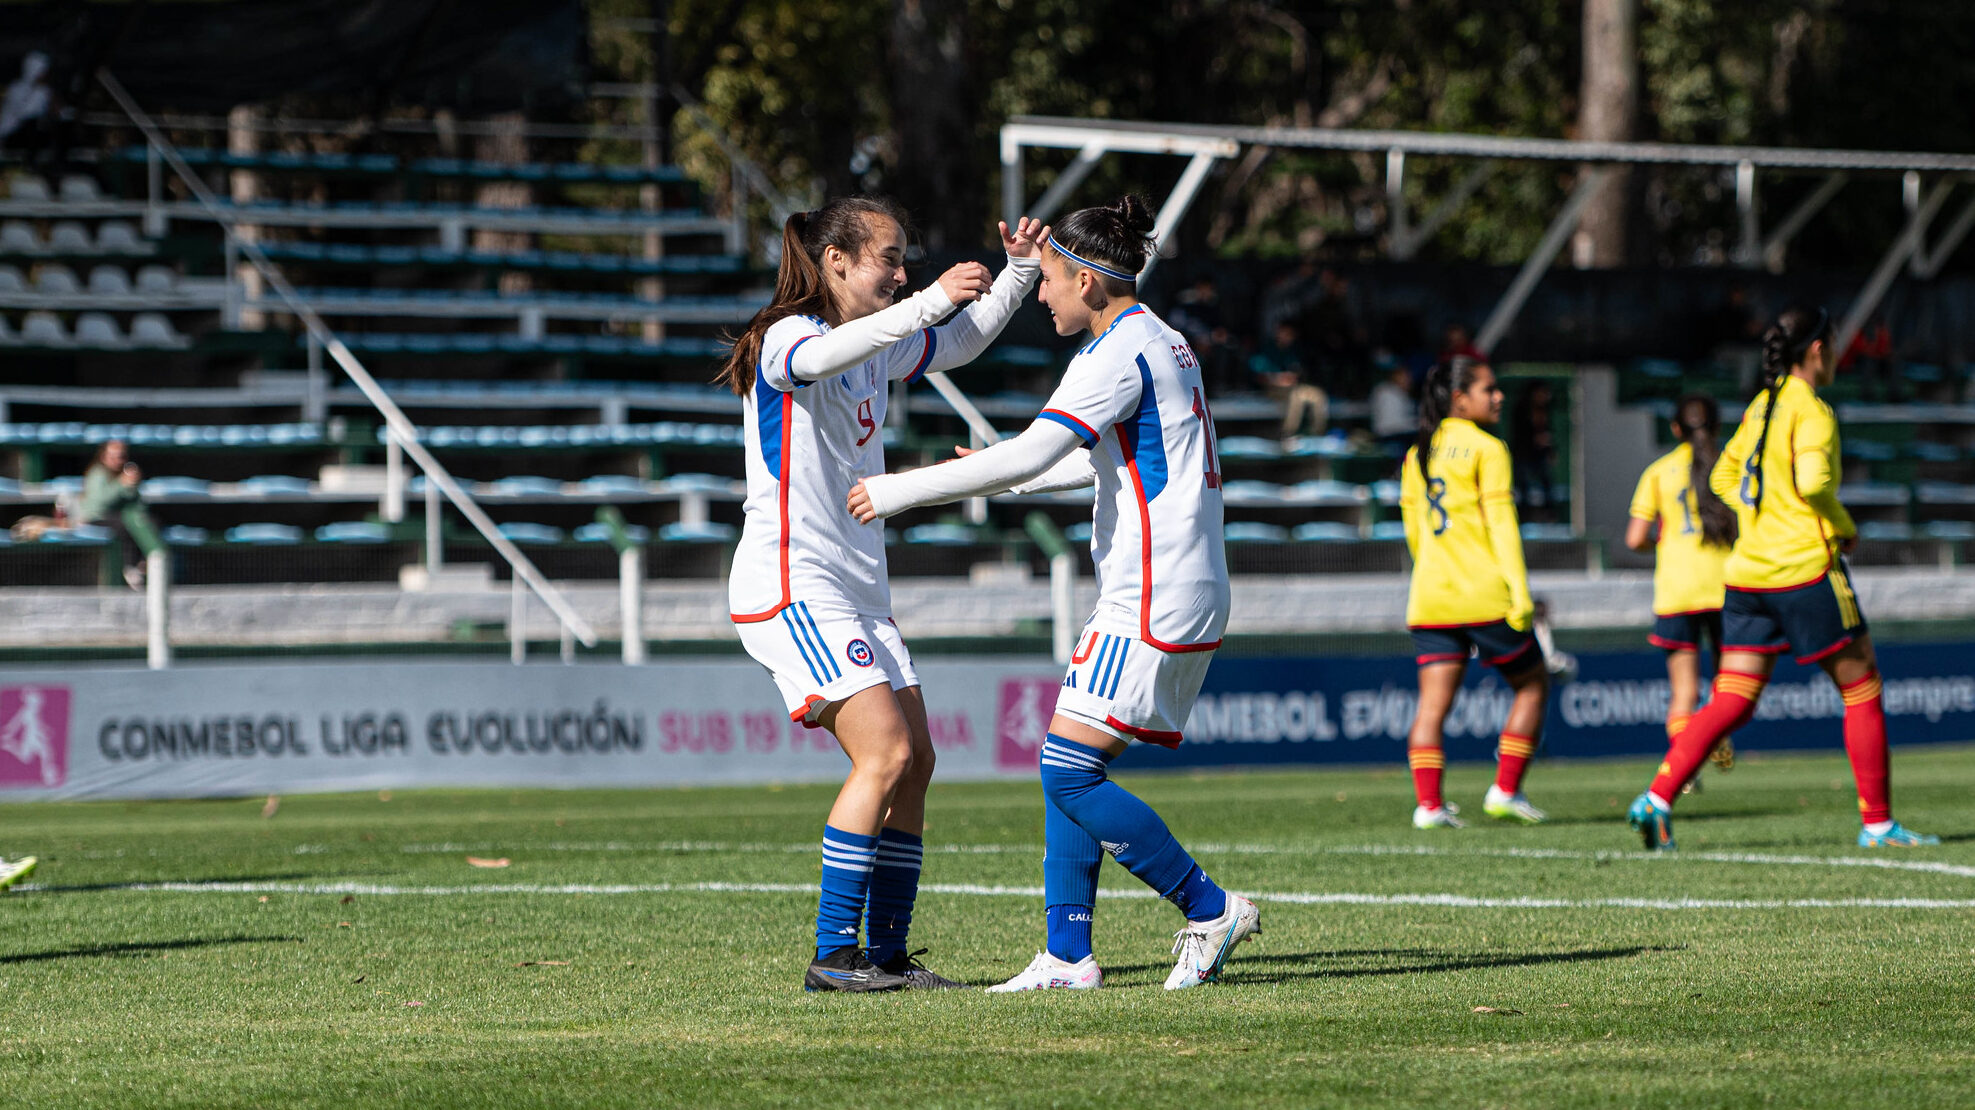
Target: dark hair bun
x,y
1135,214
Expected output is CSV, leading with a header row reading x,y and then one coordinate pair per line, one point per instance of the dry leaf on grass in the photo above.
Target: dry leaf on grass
x,y
543,963
1504,1010
478,862
414,1003
348,898
272,804
344,925
263,897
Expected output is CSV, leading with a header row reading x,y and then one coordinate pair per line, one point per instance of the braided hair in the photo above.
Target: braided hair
x,y
1784,345
1697,421
1448,377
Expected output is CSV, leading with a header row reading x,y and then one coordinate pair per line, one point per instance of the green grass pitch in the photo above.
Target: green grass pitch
x,y
648,948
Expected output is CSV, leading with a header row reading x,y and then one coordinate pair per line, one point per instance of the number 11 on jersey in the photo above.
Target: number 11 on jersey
x,y
1207,428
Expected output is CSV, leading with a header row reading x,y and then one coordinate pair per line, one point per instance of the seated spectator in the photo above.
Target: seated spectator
x,y
1533,452
1871,351
1197,314
1395,415
1279,371
1457,340
1334,329
25,121
110,499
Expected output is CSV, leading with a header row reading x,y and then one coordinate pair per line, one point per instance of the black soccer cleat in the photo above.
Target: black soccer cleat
x,y
848,969
919,977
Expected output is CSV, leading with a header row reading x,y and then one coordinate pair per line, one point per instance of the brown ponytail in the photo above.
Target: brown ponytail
x,y
800,288
1697,420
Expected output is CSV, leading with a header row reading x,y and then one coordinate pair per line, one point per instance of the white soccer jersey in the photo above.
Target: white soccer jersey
x,y
1134,396
808,443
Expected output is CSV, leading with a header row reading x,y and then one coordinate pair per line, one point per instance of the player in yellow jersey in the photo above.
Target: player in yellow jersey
x,y
1787,587
1470,591
1696,530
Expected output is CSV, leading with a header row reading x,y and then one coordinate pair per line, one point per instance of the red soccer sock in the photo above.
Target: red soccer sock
x,y
1675,725
1513,754
1427,763
1865,743
1734,702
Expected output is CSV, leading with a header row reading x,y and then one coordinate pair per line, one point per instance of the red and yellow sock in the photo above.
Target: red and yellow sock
x,y
1513,754
1677,724
1865,743
1733,704
1427,764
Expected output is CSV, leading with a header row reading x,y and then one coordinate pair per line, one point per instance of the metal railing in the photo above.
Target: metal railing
x,y
404,434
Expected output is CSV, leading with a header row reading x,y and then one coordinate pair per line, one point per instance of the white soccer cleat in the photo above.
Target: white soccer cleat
x,y
1441,818
1203,946
1504,806
13,871
1046,973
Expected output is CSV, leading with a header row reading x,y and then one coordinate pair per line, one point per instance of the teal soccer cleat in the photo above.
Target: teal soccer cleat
x,y
1655,823
1899,836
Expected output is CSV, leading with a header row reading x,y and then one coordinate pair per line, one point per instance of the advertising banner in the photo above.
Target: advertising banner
x,y
219,730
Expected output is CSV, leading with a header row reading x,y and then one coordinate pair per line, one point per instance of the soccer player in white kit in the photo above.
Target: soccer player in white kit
x,y
808,591
1130,416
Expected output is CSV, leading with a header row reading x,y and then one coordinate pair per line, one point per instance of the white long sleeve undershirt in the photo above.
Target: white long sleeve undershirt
x,y
1012,463
959,342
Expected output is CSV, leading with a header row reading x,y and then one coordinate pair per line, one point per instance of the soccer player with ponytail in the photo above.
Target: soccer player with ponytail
x,y
1696,530
1470,590
809,593
1788,588
1130,416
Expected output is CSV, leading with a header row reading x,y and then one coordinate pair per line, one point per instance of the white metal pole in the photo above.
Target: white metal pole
x,y
1063,627
517,618
157,604
393,509
1533,267
631,599
1398,236
435,550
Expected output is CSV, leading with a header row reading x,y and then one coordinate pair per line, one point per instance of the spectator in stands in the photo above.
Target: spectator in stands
x,y
1280,371
1533,449
1290,295
110,498
1731,334
1198,316
1456,341
25,120
1332,324
1872,350
1394,411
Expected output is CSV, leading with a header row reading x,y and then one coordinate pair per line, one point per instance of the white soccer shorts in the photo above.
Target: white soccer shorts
x,y
1127,688
818,655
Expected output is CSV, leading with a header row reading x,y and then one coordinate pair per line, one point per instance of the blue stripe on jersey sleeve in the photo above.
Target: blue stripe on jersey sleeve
x,y
1147,438
1082,429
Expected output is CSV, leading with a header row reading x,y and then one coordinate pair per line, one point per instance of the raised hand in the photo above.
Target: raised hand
x,y
1026,240
966,282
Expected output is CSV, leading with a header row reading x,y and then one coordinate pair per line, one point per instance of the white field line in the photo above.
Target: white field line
x,y
1761,859
1451,901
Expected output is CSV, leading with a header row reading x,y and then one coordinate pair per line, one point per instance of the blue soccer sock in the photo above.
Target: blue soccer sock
x,y
1075,777
847,864
1070,860
894,886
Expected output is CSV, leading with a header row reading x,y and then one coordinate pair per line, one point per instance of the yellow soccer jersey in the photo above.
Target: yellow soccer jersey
x,y
1686,572
1793,539
1461,527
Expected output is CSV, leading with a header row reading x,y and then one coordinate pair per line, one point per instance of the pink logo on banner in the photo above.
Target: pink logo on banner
x,y
34,735
1023,721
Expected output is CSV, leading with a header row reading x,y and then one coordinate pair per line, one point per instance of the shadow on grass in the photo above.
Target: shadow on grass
x,y
140,948
1421,961
126,884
